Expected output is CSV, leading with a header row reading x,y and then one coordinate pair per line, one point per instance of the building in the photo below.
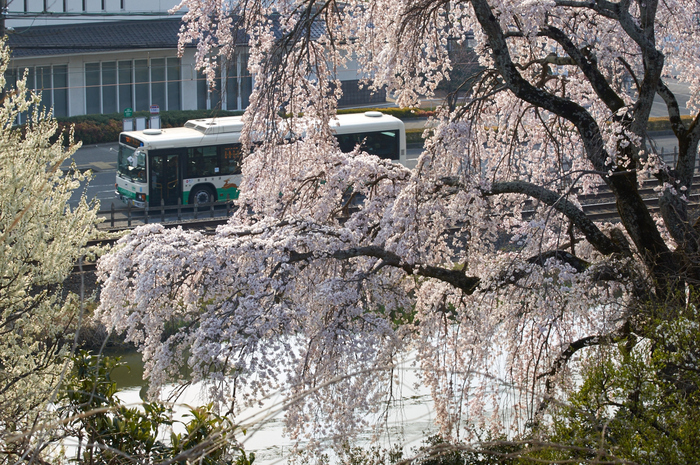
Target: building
x,y
104,56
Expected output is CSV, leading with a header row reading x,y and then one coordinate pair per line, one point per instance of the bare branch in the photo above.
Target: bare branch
x,y
564,206
456,278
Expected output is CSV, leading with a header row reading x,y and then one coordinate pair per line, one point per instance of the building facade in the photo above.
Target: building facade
x,y
104,56
106,67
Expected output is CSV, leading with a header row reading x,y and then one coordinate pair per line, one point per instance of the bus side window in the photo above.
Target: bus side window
x,y
194,162
202,162
231,159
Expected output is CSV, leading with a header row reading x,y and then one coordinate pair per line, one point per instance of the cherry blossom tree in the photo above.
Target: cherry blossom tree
x,y
480,261
41,238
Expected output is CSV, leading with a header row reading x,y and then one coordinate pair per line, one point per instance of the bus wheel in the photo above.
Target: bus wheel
x,y
201,195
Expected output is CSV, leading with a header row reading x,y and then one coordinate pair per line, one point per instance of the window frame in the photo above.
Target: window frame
x,y
135,87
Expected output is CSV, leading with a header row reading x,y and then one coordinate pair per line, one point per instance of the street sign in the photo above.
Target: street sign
x,y
155,109
128,112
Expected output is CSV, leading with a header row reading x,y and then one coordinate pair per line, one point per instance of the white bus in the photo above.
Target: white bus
x,y
201,162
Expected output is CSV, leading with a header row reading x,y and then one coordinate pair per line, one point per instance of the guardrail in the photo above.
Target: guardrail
x,y
130,216
602,207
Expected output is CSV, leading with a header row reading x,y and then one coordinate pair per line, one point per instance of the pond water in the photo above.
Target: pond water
x,y
409,422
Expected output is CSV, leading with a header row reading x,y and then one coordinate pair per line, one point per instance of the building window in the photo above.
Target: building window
x,y
113,86
92,89
126,88
50,82
158,82
109,87
234,85
143,97
174,91
60,90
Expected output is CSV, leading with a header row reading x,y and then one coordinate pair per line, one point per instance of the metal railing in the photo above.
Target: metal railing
x,y
131,216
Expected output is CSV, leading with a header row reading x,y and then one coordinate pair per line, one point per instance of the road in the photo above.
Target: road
x,y
682,93
102,160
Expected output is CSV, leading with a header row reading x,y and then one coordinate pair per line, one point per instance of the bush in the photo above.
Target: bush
x,y
110,432
435,450
98,129
401,113
663,124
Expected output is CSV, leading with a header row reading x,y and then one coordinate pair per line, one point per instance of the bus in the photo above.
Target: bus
x,y
201,162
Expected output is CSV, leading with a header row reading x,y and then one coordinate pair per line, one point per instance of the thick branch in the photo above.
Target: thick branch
x,y
572,260
588,66
633,212
674,209
674,113
594,235
456,278
564,108
573,347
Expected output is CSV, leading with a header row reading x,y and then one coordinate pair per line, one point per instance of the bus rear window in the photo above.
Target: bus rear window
x,y
384,144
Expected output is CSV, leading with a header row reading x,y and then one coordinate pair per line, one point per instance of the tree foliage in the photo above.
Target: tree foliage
x,y
637,402
41,238
481,261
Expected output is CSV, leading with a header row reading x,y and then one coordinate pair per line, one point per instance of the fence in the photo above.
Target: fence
x,y
131,216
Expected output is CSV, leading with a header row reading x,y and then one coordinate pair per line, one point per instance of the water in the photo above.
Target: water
x,y
408,422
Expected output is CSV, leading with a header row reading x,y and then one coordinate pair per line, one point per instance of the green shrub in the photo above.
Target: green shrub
x,y
109,432
414,136
435,450
401,113
98,129
663,124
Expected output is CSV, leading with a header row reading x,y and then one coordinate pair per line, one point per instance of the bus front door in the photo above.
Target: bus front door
x,y
165,179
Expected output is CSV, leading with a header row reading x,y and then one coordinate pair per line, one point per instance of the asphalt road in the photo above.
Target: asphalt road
x,y
102,160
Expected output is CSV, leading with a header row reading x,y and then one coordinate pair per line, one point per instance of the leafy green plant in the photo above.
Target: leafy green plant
x,y
109,432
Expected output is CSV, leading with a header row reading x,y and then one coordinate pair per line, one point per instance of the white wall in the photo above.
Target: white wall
x,y
133,9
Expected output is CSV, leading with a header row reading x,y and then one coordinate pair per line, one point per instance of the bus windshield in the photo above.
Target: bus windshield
x,y
132,163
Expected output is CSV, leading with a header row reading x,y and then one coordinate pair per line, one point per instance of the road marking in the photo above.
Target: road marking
x,y
103,165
